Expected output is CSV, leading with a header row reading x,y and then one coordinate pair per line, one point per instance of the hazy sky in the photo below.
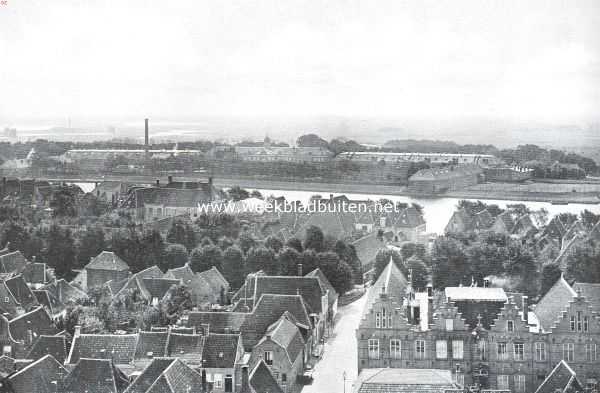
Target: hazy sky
x,y
521,59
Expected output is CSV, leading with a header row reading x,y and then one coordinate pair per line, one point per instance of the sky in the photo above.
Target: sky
x,y
535,60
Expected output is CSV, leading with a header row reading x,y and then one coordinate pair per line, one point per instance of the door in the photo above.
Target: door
x,y
228,383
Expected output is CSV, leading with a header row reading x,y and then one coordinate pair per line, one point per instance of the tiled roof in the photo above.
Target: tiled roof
x,y
483,219
307,287
325,285
399,380
47,299
367,247
261,380
7,366
18,287
267,311
391,281
550,307
95,375
561,379
409,218
49,345
218,322
158,287
464,218
215,279
151,344
35,273
507,220
107,260
339,225
41,376
172,197
12,262
118,347
167,376
64,291
185,345
37,321
285,333
137,281
220,350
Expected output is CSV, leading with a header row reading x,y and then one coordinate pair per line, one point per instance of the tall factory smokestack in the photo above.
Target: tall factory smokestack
x,y
146,134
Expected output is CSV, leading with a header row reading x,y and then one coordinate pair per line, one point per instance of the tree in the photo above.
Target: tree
x,y
419,273
589,219
225,242
449,263
337,271
91,243
311,140
182,232
274,243
246,241
256,194
550,274
295,243
236,193
177,301
15,236
64,202
583,264
60,251
288,260
261,258
314,239
175,255
309,261
410,249
152,248
205,257
233,266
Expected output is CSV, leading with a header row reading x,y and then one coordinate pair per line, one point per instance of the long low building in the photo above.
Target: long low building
x,y
440,180
433,158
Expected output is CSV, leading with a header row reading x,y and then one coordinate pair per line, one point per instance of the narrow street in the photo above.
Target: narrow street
x,y
339,354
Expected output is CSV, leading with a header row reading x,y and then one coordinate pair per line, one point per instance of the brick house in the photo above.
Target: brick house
x,y
105,267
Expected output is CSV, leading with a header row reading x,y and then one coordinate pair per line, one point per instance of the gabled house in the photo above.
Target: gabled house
x,y
332,295
12,262
562,379
460,222
204,293
504,223
409,224
42,376
260,380
222,356
367,248
64,291
94,375
51,304
282,349
49,345
105,267
120,348
483,220
20,333
167,375
524,227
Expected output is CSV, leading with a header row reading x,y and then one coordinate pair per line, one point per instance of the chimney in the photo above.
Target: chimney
x,y
245,380
77,332
525,305
146,138
299,270
157,183
170,179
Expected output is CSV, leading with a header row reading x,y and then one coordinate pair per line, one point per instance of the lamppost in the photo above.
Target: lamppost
x,y
344,376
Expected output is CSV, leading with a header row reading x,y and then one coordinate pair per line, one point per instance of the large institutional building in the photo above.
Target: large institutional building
x,y
482,335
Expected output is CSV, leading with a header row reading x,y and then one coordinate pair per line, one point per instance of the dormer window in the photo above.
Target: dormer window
x,y
572,323
510,326
449,325
579,321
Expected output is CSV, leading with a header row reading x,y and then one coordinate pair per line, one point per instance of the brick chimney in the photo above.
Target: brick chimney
x,y
245,380
146,136
77,332
299,270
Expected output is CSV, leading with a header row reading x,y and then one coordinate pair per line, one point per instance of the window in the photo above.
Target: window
x,y
572,323
579,321
586,323
510,326
502,352
6,350
503,382
384,319
482,350
395,349
568,352
457,349
441,349
449,325
460,379
420,349
218,378
590,352
520,383
284,377
519,351
269,357
540,352
373,348
209,377
378,320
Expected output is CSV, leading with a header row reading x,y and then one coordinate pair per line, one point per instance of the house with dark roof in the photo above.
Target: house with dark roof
x,y
504,223
49,345
260,380
167,375
524,227
15,297
94,375
461,221
105,267
42,376
118,347
20,333
37,274
110,191
222,360
408,225
283,350
205,287
64,291
367,248
562,379
332,295
13,262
